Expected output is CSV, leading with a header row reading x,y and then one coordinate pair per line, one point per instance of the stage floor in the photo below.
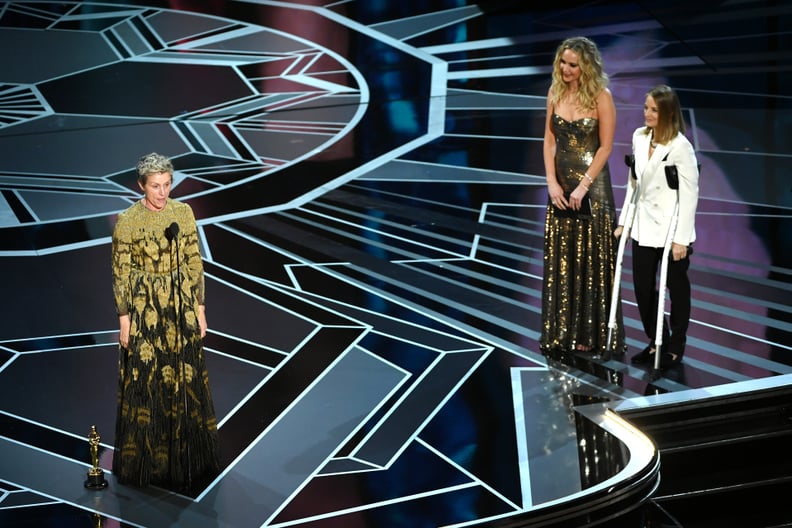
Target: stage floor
x,y
370,192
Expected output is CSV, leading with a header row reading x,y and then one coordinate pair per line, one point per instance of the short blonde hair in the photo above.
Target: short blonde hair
x,y
153,163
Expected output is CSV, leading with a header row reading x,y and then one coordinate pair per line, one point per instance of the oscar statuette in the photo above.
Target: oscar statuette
x,y
96,478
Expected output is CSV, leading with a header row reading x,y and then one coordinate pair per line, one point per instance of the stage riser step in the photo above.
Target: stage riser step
x,y
731,464
759,506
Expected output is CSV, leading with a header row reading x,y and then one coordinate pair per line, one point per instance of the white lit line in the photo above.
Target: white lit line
x,y
226,36
49,428
236,358
470,475
381,233
255,389
372,505
264,300
309,80
492,136
496,72
286,411
523,460
28,505
248,342
462,13
476,345
552,36
471,45
58,499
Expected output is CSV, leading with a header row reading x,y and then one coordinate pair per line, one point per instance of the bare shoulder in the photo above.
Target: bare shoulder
x,y
605,96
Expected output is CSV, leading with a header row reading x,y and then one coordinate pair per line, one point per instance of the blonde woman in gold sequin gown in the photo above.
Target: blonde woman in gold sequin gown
x,y
579,248
166,430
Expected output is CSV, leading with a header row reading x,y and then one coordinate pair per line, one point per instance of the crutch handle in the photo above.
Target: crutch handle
x,y
672,176
629,160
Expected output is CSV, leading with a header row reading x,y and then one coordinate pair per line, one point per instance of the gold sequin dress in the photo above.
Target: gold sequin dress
x,y
165,412
579,253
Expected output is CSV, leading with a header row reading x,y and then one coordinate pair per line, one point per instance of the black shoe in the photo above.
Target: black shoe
x,y
644,356
670,359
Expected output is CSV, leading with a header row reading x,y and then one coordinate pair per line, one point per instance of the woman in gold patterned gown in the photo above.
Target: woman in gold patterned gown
x,y
579,249
166,430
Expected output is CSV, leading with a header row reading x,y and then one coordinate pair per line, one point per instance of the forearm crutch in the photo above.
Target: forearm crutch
x,y
629,160
672,178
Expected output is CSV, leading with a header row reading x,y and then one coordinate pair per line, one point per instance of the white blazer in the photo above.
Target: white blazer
x,y
655,207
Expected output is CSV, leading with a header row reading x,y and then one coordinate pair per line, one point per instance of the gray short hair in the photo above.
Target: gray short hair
x,y
151,163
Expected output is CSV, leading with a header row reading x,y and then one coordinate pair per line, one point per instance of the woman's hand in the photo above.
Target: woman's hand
x,y
618,232
202,319
557,198
123,335
576,198
678,251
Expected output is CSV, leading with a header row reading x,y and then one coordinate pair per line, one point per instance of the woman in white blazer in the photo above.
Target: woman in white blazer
x,y
656,145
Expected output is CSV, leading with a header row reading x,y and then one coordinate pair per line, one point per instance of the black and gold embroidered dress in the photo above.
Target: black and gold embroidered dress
x,y
165,415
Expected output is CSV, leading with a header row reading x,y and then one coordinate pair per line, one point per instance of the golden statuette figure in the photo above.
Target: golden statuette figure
x,y
96,478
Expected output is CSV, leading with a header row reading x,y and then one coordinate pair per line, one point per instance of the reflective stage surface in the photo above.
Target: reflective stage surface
x,y
369,187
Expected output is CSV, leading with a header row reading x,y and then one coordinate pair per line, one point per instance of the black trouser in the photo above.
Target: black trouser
x,y
646,263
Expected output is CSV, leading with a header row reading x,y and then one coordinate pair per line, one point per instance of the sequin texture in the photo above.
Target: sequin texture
x,y
579,253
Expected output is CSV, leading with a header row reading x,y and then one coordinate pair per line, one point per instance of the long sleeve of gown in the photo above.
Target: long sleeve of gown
x,y
121,265
192,258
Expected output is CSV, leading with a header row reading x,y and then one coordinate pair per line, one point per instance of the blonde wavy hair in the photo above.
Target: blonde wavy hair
x,y
593,78
151,163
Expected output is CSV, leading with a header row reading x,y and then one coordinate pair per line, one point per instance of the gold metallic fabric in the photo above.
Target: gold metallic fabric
x,y
579,253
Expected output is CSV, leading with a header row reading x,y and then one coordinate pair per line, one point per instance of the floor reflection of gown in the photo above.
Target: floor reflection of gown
x,y
579,253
